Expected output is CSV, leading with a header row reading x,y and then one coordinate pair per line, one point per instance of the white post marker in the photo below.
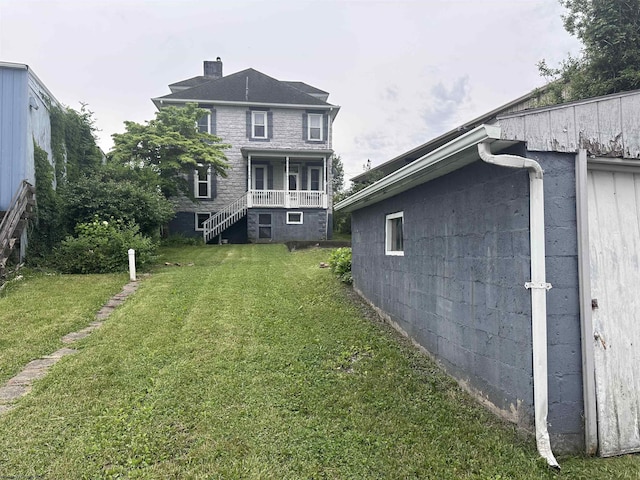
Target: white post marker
x,y
132,264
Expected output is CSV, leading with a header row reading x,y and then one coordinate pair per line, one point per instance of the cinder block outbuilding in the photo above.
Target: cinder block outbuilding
x,y
510,252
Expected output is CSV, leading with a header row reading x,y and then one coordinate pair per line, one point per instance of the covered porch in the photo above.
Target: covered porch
x,y
287,179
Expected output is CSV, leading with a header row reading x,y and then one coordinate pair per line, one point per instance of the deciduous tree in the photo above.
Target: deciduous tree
x,y
610,60
171,146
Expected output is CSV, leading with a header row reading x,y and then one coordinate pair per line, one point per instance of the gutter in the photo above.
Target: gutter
x,y
538,286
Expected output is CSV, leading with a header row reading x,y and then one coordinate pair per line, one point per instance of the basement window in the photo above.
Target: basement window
x,y
394,244
294,218
201,217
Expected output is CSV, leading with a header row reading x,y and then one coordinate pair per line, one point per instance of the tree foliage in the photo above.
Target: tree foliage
x,y
610,61
73,143
337,178
170,146
113,193
342,219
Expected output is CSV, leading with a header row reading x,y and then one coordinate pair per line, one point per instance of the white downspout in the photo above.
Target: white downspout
x,y
538,286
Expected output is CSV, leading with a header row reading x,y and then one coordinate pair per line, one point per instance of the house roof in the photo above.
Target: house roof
x,y
455,154
245,87
190,82
32,74
522,103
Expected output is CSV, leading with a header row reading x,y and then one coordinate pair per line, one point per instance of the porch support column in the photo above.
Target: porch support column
x,y
287,202
325,184
249,196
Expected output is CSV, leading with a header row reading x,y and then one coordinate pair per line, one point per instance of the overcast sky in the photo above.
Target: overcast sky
x,y
403,72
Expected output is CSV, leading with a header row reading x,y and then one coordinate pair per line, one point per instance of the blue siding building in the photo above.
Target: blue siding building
x,y
24,119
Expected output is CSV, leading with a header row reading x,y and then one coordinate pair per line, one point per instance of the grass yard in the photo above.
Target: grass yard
x,y
35,314
251,362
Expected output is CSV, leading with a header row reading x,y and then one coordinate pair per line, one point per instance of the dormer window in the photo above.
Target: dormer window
x,y
315,127
258,124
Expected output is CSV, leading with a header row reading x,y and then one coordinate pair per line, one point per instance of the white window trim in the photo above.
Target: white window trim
x,y
320,178
254,177
253,123
309,115
291,222
208,115
197,181
199,229
387,234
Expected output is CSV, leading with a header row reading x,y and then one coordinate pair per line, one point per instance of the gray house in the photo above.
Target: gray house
x,y
24,119
279,181
510,252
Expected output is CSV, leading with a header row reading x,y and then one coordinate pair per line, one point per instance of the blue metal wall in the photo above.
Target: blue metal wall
x,y
459,288
13,131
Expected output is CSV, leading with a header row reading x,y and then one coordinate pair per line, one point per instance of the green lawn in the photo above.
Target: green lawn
x,y
252,362
35,314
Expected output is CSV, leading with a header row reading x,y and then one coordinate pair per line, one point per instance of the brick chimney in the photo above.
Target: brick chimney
x,y
213,69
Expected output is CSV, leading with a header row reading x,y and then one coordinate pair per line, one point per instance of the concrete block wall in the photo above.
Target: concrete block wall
x,y
459,288
314,226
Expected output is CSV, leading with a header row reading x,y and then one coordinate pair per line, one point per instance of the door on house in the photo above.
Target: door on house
x,y
294,186
614,251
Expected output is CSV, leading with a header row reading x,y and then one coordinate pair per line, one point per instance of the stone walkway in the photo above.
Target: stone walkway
x,y
20,385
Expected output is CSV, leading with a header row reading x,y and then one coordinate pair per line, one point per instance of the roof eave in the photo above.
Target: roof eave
x,y
159,101
432,165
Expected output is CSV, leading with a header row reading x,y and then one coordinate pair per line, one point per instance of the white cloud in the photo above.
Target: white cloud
x,y
387,63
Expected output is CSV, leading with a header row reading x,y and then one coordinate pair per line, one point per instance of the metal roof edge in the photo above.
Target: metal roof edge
x,y
495,113
473,137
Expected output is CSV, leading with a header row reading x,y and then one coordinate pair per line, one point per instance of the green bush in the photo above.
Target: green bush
x,y
340,264
101,247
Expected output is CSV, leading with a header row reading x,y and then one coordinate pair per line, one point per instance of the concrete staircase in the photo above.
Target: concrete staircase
x,y
14,221
220,221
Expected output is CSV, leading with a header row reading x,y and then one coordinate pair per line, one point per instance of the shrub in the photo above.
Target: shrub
x,y
101,247
340,264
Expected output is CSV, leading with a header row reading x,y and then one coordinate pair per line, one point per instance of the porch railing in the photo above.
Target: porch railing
x,y
226,217
14,220
287,199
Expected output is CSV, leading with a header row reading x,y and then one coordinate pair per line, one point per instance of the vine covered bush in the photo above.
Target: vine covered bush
x,y
340,264
101,246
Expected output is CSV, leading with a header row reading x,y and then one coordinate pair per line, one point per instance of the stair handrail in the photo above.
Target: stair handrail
x,y
228,215
13,215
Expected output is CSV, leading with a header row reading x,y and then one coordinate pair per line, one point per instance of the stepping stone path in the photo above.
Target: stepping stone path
x,y
20,385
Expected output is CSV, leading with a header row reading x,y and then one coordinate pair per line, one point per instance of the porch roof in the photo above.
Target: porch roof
x,y
285,152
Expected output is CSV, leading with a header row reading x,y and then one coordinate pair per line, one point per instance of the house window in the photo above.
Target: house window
x,y
200,219
315,178
204,124
202,182
294,218
264,225
258,124
259,177
314,125
394,244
